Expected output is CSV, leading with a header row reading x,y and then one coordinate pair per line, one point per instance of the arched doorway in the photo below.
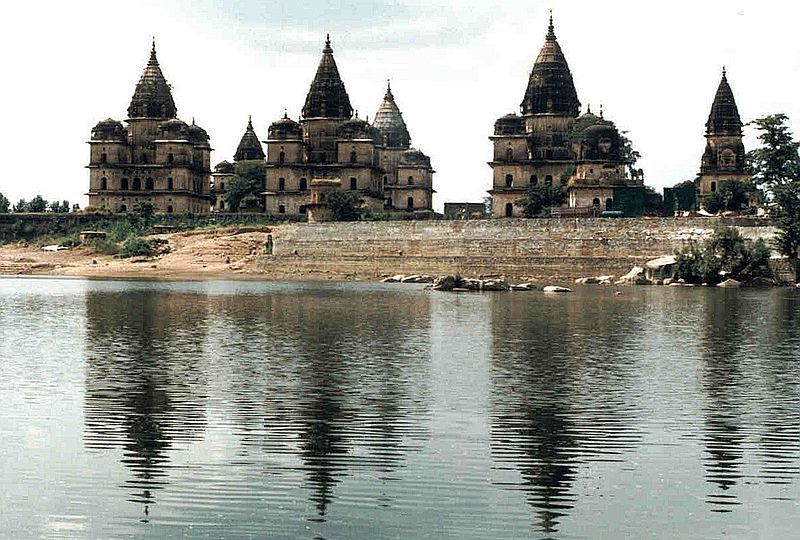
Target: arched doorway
x,y
609,205
410,203
509,209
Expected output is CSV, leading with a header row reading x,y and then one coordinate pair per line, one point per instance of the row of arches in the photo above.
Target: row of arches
x,y
136,185
534,180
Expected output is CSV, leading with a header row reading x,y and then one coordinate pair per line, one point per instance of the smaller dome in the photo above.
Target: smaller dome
x,y
108,130
510,124
358,129
285,128
197,134
173,129
600,141
414,158
224,167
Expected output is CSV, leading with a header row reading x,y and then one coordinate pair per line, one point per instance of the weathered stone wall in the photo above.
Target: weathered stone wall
x,y
563,248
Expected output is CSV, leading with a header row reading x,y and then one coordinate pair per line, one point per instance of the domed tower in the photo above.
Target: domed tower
x,y
724,157
249,146
327,104
389,121
413,190
535,147
156,158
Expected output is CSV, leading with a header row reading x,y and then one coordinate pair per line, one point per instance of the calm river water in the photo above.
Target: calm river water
x,y
242,409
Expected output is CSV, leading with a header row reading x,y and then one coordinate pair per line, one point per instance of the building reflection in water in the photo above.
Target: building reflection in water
x,y
561,393
144,390
722,335
339,382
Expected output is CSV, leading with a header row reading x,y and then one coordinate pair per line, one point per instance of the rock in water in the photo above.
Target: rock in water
x,y
730,284
556,289
445,283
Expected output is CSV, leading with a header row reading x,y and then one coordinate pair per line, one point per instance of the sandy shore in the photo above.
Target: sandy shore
x,y
228,253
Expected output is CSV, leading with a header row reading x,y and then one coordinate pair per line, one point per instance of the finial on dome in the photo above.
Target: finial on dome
x,y
285,113
328,43
153,50
601,110
724,72
551,33
356,114
249,121
588,108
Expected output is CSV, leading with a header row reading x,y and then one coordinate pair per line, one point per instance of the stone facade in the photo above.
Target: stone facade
x,y
155,157
724,157
551,144
330,141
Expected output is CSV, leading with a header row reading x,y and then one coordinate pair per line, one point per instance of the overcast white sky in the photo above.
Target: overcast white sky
x,y
455,67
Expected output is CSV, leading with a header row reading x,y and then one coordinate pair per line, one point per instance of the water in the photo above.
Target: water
x,y
240,409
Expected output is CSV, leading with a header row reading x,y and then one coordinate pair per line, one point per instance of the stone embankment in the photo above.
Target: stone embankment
x,y
518,249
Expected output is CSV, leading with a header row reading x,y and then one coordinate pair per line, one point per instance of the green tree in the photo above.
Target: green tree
x,y
541,197
714,203
38,204
775,167
726,251
5,204
653,202
345,205
143,213
249,180
59,207
21,206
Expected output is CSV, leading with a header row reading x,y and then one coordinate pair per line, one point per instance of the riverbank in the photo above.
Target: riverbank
x,y
519,249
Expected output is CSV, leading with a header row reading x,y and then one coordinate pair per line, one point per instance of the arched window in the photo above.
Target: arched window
x,y
281,184
353,183
303,184
596,202
169,209
148,184
353,156
103,183
103,157
713,187
410,203
123,209
388,202
385,180
170,184
509,209
170,157
123,184
534,179
609,205
509,154
302,209
281,209
137,184
410,180
509,180
282,157
548,180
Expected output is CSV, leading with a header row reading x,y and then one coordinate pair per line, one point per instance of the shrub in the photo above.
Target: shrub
x,y
136,247
725,252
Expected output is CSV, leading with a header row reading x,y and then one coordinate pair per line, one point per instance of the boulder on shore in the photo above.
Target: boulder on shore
x,y
450,283
445,283
523,287
634,277
556,289
730,284
416,279
393,279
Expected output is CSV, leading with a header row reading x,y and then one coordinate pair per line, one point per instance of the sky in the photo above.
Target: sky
x,y
455,67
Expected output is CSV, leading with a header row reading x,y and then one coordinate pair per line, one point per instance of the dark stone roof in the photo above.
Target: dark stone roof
x,y
197,135
109,130
389,121
510,124
724,118
285,128
173,129
414,158
249,147
598,139
327,97
224,167
359,129
550,86
153,96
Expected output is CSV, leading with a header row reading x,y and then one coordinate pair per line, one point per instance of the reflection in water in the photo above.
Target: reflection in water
x,y
340,387
144,390
561,394
723,334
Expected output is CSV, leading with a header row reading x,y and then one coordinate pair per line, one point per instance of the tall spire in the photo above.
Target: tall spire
x,y
153,96
724,118
249,147
327,97
389,121
550,86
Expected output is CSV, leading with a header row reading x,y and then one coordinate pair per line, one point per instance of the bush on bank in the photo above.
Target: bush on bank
x,y
725,255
